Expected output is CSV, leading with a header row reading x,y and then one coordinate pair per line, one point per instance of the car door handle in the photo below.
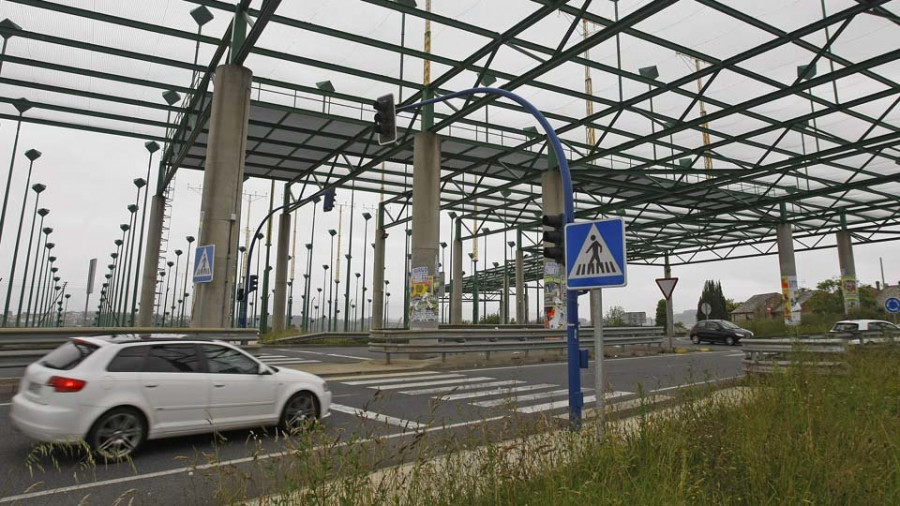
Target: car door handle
x,y
219,385
151,385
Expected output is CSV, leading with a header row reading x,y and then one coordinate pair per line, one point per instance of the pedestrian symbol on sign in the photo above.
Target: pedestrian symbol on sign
x,y
203,263
594,259
595,254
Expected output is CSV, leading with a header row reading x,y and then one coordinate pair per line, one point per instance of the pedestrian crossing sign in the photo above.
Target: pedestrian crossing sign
x,y
203,263
595,254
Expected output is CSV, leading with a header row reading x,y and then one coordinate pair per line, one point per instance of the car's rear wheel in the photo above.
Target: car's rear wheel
x,y
118,433
695,339
729,340
300,412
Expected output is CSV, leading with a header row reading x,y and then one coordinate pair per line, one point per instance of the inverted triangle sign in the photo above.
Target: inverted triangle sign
x,y
594,259
667,286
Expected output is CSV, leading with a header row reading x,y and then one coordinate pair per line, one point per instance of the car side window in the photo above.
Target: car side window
x,y
714,326
172,358
223,360
701,325
129,359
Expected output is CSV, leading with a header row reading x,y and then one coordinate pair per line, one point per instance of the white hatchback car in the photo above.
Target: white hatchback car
x,y
865,331
117,392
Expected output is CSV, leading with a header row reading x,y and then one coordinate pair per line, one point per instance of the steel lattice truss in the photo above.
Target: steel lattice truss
x,y
751,114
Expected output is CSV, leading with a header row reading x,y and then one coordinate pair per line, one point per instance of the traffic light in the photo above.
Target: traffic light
x,y
386,119
556,236
251,285
328,204
240,294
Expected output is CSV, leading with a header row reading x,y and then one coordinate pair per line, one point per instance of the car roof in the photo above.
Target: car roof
x,y
142,338
862,321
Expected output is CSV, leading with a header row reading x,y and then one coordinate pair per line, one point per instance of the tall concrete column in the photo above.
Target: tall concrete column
x,y
151,261
281,268
426,227
848,272
785,238
554,274
378,273
520,284
456,287
220,207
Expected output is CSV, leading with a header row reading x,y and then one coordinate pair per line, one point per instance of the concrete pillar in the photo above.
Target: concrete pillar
x,y
520,285
504,298
457,275
423,304
151,261
554,274
785,238
378,274
281,268
220,207
848,272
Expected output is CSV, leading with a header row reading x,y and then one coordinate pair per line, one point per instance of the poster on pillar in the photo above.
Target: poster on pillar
x,y
422,301
789,294
554,297
851,294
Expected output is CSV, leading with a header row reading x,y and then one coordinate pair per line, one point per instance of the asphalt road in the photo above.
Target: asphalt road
x,y
387,408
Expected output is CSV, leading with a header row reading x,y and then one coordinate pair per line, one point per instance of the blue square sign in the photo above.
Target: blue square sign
x,y
203,263
595,254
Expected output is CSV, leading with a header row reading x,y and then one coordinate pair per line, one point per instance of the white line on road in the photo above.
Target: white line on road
x,y
351,357
565,403
741,354
497,391
398,380
430,383
455,388
519,398
5,404
378,417
606,361
712,382
385,375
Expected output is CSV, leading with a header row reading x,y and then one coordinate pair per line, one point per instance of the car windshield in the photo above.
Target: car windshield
x,y
68,355
845,327
728,325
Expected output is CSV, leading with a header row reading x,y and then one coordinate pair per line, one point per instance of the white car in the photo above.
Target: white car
x,y
117,392
865,331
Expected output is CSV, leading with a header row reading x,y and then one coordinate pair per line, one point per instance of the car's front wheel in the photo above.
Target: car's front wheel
x,y
695,339
118,433
300,411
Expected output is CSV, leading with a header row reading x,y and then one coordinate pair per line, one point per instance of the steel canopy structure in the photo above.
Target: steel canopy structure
x,y
715,120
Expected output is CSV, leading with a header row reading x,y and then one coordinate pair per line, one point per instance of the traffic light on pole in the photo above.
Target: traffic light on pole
x,y
556,236
251,285
386,119
328,203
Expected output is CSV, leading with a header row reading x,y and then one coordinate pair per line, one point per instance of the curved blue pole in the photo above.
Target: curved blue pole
x,y
576,397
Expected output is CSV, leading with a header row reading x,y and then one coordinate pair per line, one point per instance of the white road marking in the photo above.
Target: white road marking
x,y
520,398
385,375
5,404
713,382
378,417
348,356
565,403
497,391
398,380
605,361
232,462
454,388
429,383
741,354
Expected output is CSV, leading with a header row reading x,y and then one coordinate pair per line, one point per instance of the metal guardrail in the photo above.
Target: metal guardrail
x,y
825,353
305,338
480,340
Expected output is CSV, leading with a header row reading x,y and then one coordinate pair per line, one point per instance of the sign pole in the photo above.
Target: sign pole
x,y
670,311
597,317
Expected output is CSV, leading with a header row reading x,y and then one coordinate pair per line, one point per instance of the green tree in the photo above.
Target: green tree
x,y
661,313
615,317
491,319
712,294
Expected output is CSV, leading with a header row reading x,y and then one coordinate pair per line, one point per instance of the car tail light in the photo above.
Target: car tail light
x,y
66,385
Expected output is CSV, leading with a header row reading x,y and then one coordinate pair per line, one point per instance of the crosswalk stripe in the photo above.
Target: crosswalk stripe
x,y
290,361
453,388
429,383
497,391
564,403
387,375
520,398
399,422
397,380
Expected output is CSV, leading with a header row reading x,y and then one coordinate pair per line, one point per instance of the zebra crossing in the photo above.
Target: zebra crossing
x,y
479,391
269,359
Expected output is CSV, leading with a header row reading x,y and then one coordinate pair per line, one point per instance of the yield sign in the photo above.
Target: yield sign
x,y
667,286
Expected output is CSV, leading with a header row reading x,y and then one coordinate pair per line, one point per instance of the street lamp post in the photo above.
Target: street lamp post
x,y
357,297
366,217
22,106
512,245
32,155
34,275
326,288
38,189
126,235
187,264
165,305
42,280
332,233
178,253
152,147
138,183
162,275
309,254
443,278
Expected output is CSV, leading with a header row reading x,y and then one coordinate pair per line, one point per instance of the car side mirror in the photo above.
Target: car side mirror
x,y
264,369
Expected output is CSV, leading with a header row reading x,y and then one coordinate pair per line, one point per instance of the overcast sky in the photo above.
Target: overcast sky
x,y
89,175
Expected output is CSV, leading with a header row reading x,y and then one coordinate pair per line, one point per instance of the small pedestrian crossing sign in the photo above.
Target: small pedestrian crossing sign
x,y
595,254
203,263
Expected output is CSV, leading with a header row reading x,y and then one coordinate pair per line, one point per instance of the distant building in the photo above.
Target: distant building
x,y
761,306
635,318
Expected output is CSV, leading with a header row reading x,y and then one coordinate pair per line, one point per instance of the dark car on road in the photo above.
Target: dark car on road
x,y
718,331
